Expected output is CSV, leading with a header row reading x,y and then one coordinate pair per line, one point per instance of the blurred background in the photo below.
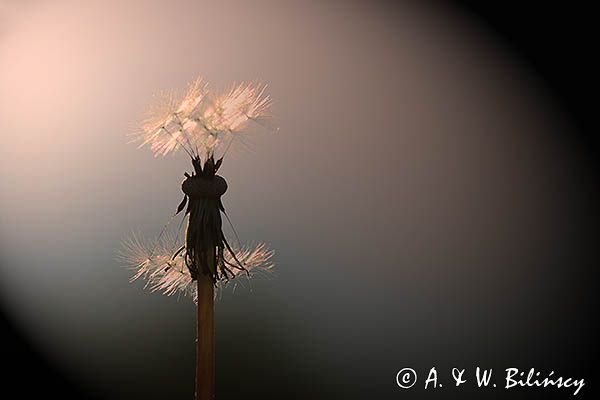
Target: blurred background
x,y
431,195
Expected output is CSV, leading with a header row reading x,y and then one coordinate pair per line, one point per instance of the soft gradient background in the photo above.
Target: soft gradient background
x,y
427,198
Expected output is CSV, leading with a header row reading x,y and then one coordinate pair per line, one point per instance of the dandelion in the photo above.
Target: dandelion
x,y
203,124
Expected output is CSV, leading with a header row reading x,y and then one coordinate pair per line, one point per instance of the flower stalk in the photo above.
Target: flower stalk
x,y
205,344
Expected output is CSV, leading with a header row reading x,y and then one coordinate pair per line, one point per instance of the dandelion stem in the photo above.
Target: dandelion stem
x,y
205,356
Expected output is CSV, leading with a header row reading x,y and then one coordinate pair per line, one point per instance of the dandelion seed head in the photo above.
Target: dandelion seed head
x,y
201,121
